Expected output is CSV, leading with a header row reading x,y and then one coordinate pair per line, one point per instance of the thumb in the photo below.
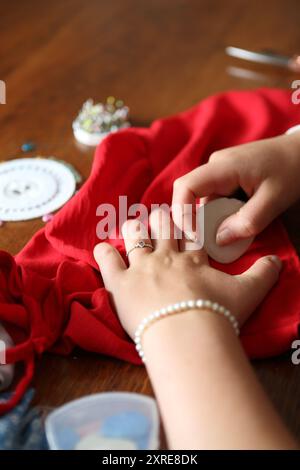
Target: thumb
x,y
252,218
206,180
256,282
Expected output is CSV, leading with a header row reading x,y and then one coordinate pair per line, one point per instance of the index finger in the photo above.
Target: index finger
x,y
213,178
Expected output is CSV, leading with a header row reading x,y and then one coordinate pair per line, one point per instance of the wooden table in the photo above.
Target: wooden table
x,y
161,57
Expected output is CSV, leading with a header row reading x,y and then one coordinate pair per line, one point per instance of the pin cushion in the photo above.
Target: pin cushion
x,y
96,120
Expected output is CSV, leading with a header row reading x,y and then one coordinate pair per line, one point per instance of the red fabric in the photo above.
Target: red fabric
x,y
52,295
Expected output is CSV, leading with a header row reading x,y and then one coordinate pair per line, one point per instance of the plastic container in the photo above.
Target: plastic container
x,y
104,415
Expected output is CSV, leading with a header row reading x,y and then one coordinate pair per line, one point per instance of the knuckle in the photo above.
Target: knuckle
x,y
178,183
155,217
271,265
196,259
217,155
105,249
250,227
190,261
158,212
133,228
167,260
160,217
130,223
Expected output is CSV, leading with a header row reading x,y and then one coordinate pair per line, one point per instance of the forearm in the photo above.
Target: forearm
x,y
207,391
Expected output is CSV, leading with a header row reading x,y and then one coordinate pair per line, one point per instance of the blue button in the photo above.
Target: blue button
x,y
28,147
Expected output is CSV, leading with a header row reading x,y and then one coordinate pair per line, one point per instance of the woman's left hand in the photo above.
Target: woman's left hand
x,y
165,275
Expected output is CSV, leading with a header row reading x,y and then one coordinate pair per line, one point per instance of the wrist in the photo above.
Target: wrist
x,y
166,336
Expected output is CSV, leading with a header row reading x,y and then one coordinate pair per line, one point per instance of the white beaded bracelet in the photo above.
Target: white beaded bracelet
x,y
178,308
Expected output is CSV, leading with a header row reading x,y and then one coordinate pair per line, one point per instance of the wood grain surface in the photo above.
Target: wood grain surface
x,y
161,57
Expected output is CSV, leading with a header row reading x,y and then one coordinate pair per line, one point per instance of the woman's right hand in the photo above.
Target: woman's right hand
x,y
267,170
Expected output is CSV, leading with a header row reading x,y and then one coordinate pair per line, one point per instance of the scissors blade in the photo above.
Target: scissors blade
x,y
261,57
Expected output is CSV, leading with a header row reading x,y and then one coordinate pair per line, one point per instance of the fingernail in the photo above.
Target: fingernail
x,y
276,260
224,236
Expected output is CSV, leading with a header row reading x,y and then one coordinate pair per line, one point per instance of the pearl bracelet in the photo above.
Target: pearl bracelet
x,y
178,308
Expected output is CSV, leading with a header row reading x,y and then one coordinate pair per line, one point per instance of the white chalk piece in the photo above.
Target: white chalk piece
x,y
6,370
96,442
215,212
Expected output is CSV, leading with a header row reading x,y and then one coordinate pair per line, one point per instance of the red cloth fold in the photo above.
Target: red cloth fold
x,y
51,294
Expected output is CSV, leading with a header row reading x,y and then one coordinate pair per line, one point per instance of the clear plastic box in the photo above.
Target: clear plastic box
x,y
67,425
